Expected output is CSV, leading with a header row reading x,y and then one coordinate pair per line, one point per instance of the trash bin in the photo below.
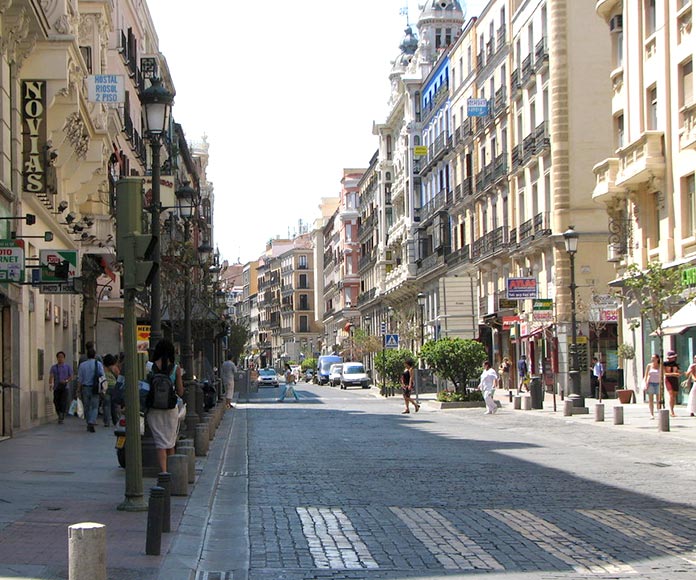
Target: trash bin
x,y
537,393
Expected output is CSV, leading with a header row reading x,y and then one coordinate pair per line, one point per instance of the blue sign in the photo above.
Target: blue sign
x,y
383,328
477,108
391,341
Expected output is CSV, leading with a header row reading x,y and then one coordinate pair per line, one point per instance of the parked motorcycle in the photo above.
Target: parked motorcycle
x,y
120,433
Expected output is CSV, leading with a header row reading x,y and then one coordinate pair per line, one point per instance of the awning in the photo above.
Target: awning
x,y
681,320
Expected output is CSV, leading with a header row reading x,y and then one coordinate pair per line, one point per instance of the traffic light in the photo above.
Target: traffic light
x,y
138,267
133,247
62,270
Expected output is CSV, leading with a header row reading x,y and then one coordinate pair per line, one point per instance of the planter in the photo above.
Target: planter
x,y
458,404
626,396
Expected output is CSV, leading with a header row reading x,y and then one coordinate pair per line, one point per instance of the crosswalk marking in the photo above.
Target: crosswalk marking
x,y
581,556
453,549
634,527
333,542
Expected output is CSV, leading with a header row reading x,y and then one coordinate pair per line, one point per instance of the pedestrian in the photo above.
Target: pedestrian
x,y
522,370
691,385
88,374
164,423
227,376
407,378
111,396
672,375
504,373
60,376
597,379
289,386
651,382
487,386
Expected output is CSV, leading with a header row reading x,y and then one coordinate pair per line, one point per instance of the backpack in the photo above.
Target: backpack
x,y
162,394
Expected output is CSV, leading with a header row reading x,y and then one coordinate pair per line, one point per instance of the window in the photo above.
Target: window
x,y
686,83
689,189
304,323
651,113
304,302
619,128
302,262
303,281
618,49
87,56
650,17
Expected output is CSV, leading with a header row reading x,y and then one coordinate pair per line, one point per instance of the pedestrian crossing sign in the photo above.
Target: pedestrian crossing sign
x,y
391,341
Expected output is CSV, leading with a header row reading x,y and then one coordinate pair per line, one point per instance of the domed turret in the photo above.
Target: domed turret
x,y
439,25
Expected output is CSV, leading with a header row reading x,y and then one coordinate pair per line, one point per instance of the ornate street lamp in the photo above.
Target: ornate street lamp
x,y
157,102
570,237
186,198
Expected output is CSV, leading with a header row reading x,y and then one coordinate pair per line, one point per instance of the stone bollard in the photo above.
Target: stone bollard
x,y
526,403
164,480
567,408
202,440
190,451
663,420
517,402
87,551
211,428
178,470
153,540
618,415
599,412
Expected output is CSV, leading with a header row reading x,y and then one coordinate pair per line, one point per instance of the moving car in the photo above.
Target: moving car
x,y
268,378
353,375
335,374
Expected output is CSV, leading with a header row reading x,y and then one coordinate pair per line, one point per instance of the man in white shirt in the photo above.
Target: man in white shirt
x,y
227,376
487,385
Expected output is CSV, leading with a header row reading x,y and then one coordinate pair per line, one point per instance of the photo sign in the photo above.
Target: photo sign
x,y
49,259
521,288
11,260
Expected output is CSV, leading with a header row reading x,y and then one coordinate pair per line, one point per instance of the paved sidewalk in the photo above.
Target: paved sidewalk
x,y
54,476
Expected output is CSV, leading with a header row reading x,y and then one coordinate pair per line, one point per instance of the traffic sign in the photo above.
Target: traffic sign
x,y
391,341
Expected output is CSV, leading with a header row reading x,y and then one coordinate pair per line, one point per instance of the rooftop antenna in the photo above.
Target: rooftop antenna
x,y
403,11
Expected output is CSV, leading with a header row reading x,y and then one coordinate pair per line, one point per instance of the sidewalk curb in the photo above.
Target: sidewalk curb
x,y
181,562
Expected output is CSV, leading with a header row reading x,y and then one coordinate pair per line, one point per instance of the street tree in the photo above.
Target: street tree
x,y
237,339
454,359
391,362
657,291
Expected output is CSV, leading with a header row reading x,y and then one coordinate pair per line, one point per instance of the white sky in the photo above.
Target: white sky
x,y
286,94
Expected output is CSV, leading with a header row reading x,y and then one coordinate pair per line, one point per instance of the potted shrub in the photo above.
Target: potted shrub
x,y
625,351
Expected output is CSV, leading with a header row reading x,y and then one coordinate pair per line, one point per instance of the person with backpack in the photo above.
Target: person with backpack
x,y
88,374
162,414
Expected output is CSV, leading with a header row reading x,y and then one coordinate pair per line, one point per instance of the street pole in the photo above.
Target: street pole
x,y
421,297
570,237
155,289
186,350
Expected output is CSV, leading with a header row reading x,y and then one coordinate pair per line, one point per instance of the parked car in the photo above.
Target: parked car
x,y
353,375
324,365
268,378
335,374
309,375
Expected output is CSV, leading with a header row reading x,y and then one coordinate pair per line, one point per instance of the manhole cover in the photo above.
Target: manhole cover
x,y
214,576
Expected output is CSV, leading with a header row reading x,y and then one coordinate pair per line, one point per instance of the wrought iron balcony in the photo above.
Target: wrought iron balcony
x,y
459,256
541,55
500,37
527,70
515,83
516,157
541,137
528,148
500,101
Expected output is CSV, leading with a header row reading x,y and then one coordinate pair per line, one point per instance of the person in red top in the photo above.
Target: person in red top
x,y
407,378
672,374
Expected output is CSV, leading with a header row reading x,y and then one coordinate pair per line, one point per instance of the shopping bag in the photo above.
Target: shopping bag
x,y
72,410
80,409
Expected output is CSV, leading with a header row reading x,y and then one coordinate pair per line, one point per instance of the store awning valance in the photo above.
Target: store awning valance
x,y
681,320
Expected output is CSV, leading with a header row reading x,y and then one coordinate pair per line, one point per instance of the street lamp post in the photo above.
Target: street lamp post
x,y
570,237
186,197
421,297
157,102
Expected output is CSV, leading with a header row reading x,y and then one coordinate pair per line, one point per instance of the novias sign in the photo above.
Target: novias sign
x,y
34,136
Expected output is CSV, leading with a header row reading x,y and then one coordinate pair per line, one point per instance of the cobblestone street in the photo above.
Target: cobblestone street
x,y
341,485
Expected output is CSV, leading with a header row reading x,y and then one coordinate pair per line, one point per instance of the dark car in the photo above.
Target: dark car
x,y
268,378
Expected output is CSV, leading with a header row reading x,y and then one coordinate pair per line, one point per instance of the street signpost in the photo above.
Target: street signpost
x,y
391,341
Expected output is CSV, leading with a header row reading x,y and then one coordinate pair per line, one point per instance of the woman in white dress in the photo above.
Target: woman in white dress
x,y
691,377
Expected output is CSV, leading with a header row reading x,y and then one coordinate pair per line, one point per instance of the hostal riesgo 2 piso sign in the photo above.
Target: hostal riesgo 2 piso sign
x,y
34,135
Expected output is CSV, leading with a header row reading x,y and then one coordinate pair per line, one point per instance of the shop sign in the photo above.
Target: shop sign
x,y
34,136
142,337
49,259
542,309
106,89
509,322
505,304
11,260
689,277
167,196
477,107
420,150
521,288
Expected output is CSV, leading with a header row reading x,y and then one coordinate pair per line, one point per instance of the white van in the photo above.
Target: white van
x,y
353,375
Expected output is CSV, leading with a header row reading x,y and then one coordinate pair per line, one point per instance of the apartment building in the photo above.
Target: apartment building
x,y
646,183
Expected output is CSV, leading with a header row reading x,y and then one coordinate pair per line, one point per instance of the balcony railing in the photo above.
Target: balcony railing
x,y
528,149
515,83
527,70
490,243
500,101
533,229
500,37
430,263
433,205
460,256
541,54
642,160
500,166
516,157
541,137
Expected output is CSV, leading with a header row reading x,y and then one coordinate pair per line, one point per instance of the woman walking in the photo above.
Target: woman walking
x,y
652,380
407,386
164,423
672,374
691,380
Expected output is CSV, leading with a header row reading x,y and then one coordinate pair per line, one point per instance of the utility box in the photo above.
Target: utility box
x,y
537,393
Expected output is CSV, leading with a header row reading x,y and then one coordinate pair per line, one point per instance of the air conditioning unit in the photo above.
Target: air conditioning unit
x,y
616,23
